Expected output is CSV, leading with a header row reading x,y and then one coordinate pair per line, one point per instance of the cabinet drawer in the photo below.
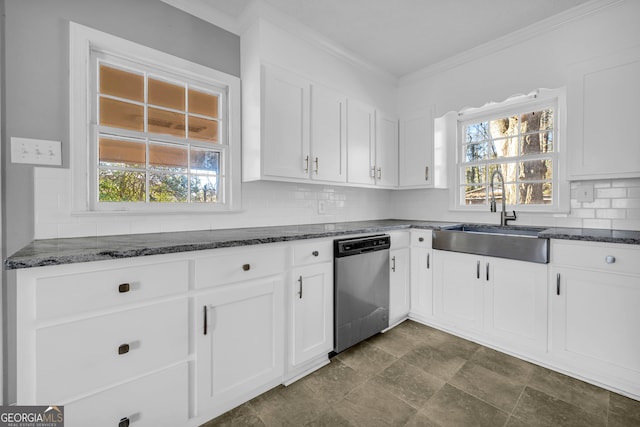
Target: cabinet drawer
x,y
78,357
612,257
421,239
159,399
313,252
400,239
86,292
238,266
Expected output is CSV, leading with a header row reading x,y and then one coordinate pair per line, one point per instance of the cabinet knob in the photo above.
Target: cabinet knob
x,y
610,259
124,287
123,349
246,267
315,253
124,422
420,239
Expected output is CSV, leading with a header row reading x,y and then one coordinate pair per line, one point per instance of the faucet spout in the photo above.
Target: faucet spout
x,y
504,217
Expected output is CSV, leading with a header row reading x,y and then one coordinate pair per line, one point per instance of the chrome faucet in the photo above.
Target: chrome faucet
x,y
504,217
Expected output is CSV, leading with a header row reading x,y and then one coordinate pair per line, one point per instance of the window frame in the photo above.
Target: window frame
x,y
86,46
516,105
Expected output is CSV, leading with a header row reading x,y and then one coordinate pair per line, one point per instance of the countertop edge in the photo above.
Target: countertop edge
x,y
130,250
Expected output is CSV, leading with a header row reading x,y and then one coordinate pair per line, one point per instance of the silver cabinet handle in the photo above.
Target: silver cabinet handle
x,y
610,259
426,173
316,163
558,284
306,163
393,260
300,291
487,272
478,270
428,261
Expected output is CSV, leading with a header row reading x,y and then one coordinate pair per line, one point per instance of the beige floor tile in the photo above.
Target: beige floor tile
x,y
435,362
411,384
366,359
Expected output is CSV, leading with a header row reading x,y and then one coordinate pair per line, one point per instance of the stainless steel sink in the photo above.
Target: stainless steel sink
x,y
519,243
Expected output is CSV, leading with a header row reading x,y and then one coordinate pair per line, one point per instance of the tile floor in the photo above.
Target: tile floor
x,y
415,375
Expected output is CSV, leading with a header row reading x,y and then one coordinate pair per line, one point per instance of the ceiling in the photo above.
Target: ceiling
x,y
404,36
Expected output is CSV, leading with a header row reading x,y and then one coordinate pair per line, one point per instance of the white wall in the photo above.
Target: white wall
x,y
540,61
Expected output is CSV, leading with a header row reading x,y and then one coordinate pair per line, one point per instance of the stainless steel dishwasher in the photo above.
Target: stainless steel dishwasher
x,y
361,281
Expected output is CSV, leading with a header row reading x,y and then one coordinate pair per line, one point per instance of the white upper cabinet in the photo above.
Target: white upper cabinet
x,y
360,143
422,152
604,100
328,135
372,146
285,126
386,164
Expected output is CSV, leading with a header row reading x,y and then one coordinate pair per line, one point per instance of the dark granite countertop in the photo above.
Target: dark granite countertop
x,y
85,249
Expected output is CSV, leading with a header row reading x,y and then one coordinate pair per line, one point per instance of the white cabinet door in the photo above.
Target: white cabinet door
x,y
240,342
604,101
360,143
595,320
399,285
328,135
285,124
458,289
386,164
312,312
421,282
515,301
416,150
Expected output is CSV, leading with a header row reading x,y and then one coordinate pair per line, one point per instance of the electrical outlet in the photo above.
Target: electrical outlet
x,y
36,151
584,193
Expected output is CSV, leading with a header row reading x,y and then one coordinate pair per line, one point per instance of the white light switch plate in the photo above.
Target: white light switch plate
x,y
36,151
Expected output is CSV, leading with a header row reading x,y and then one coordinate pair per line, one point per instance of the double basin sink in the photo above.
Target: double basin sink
x,y
519,243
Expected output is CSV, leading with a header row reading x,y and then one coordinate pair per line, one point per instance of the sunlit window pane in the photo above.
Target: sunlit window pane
x,y
475,195
121,153
168,188
121,186
205,161
474,174
536,170
168,157
166,95
166,122
120,114
538,193
477,132
202,103
120,83
203,129
204,189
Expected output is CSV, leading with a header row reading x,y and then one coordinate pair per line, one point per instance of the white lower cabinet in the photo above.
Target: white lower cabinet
x,y
399,285
498,300
421,275
595,301
159,399
240,342
312,313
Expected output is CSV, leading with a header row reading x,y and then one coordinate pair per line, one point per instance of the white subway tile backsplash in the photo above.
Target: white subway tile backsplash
x,y
611,213
597,204
611,193
597,223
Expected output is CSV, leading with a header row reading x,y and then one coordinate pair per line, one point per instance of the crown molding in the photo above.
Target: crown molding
x,y
501,43
204,11
259,9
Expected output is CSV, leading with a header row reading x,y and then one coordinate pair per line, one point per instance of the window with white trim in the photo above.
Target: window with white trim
x,y
160,133
521,139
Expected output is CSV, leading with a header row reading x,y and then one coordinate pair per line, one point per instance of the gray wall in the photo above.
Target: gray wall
x,y
37,73
35,104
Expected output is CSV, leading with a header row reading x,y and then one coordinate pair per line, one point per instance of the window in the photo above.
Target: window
x,y
520,139
158,133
